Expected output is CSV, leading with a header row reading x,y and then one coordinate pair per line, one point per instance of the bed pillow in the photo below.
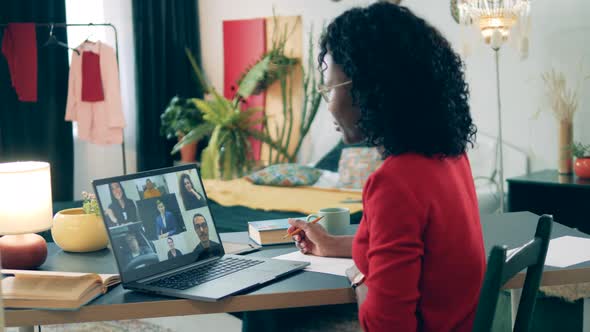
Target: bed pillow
x,y
355,166
329,162
285,175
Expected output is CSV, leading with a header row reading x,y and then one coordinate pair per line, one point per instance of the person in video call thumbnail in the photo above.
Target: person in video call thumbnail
x,y
165,222
150,190
135,249
122,210
173,252
190,197
206,248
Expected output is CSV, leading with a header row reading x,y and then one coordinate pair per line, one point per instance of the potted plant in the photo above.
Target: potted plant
x,y
563,99
80,229
582,164
179,118
229,126
228,153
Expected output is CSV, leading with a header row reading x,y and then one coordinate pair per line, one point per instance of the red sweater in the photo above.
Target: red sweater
x,y
420,246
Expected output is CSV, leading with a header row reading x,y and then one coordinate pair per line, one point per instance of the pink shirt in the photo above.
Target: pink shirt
x,y
99,122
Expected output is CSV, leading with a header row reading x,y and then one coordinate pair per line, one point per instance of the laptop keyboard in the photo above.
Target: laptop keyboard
x,y
204,273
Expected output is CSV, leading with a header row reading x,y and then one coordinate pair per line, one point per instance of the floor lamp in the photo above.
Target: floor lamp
x,y
495,19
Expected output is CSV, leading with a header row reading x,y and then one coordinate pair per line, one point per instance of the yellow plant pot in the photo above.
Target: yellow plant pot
x,y
73,230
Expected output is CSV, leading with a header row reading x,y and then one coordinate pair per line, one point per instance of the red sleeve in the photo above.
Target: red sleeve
x,y
396,225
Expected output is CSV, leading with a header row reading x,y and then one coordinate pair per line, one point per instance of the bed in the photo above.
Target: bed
x,y
482,158
234,218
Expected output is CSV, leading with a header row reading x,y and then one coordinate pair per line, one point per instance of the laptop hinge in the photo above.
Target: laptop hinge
x,y
175,271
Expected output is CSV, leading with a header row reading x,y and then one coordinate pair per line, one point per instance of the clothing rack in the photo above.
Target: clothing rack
x,y
65,25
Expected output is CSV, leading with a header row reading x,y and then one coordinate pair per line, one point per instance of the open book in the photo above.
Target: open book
x,y
53,290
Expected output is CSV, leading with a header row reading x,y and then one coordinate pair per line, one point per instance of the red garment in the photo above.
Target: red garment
x,y
420,246
19,46
91,79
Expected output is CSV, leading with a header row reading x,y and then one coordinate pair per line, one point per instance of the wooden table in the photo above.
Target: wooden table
x,y
299,290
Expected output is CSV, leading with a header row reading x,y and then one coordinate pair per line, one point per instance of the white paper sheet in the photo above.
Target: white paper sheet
x,y
329,265
566,251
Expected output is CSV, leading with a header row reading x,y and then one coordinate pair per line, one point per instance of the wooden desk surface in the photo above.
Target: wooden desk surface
x,y
302,289
299,290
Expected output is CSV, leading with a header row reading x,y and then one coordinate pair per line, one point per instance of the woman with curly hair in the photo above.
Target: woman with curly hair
x,y
394,81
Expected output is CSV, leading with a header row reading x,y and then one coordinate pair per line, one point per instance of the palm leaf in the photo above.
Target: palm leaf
x,y
251,117
213,148
268,140
197,71
195,135
206,108
207,164
256,74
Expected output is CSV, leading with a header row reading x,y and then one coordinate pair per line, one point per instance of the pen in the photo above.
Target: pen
x,y
299,229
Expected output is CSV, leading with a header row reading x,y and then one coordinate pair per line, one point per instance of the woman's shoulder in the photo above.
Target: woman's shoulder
x,y
413,171
414,164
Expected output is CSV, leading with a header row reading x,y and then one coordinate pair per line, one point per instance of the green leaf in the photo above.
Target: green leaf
x,y
253,77
194,135
268,140
197,71
214,151
207,164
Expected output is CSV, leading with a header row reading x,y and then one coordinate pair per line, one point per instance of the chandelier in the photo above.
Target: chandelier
x,y
494,18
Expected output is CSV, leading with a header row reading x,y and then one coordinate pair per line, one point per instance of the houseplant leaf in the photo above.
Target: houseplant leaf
x,y
250,81
195,135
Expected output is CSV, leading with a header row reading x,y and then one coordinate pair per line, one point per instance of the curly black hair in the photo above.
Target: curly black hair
x,y
406,79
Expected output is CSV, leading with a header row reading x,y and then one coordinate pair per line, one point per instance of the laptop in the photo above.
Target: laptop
x,y
165,241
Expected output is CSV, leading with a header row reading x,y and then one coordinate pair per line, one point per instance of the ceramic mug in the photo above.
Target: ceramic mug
x,y
336,220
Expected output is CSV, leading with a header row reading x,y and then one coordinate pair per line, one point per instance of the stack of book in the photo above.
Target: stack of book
x,y
267,232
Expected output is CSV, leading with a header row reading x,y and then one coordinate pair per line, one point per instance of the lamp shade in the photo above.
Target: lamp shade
x,y
25,197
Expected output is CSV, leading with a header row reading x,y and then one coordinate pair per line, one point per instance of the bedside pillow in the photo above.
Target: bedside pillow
x,y
285,175
355,166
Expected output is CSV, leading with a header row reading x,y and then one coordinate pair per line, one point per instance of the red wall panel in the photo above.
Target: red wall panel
x,y
244,41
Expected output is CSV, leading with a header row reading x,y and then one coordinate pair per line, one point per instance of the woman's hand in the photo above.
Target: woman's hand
x,y
352,272
361,290
196,194
313,238
111,215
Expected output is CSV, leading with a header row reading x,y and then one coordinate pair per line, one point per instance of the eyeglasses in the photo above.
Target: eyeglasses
x,y
326,91
202,226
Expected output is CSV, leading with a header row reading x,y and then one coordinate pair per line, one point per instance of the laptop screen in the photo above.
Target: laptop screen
x,y
157,220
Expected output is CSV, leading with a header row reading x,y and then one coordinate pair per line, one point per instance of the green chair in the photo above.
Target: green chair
x,y
500,269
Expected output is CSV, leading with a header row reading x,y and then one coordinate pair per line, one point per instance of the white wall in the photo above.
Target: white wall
x,y
98,161
560,36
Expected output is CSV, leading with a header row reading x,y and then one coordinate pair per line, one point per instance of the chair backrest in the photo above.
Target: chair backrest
x,y
500,269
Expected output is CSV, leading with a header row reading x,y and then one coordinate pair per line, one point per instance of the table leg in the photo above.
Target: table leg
x,y
514,301
586,315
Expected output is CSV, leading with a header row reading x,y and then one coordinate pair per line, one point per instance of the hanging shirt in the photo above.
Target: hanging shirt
x,y
19,46
100,122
